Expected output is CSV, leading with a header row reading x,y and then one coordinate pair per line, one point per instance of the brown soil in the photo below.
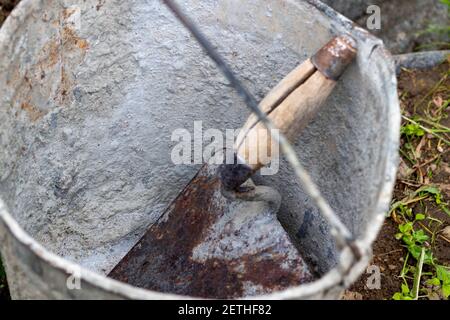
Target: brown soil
x,y
419,84
414,87
6,7
389,257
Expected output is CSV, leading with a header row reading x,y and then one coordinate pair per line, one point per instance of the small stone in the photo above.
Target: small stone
x,y
446,232
404,171
351,295
392,267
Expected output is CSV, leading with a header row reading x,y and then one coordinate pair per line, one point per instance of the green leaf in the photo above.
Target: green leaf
x,y
408,240
429,189
405,227
408,212
398,236
434,282
443,274
416,250
438,198
420,216
405,289
446,210
420,236
412,130
397,296
446,290
428,258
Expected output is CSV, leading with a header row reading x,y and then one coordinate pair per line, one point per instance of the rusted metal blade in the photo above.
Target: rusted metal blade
x,y
215,244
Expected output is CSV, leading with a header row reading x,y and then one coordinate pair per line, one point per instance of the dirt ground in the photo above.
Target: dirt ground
x,y
423,94
6,7
420,95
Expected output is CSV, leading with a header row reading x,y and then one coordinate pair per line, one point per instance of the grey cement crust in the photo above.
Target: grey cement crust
x,y
85,149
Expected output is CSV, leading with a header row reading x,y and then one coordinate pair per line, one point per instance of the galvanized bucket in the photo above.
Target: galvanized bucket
x,y
91,92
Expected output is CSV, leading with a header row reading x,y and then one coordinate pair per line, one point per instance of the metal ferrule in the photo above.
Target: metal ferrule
x,y
234,175
333,58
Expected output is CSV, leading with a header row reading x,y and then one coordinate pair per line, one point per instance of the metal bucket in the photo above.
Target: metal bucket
x,y
420,60
91,92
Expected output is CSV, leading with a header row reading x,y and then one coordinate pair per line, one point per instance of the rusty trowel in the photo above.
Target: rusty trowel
x,y
220,238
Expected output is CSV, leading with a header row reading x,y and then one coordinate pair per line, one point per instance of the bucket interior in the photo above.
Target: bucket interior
x,y
91,93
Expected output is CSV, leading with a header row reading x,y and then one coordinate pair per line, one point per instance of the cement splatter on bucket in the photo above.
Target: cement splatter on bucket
x,y
91,92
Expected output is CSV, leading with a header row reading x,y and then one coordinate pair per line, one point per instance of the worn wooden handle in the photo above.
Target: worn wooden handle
x,y
293,103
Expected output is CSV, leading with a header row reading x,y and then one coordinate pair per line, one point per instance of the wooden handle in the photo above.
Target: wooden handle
x,y
294,102
291,116
282,90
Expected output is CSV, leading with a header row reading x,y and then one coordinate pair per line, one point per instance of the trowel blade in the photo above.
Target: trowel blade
x,y
215,245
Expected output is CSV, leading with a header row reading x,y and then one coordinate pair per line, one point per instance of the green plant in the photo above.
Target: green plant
x,y
441,279
412,130
436,194
415,240
423,193
424,146
443,274
404,294
431,190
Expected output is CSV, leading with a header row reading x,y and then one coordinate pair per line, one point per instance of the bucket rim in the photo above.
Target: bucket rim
x,y
331,280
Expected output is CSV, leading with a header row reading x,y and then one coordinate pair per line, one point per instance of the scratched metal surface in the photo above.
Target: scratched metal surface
x,y
212,244
91,91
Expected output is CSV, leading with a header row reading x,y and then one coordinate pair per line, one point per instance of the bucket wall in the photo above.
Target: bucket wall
x,y
90,94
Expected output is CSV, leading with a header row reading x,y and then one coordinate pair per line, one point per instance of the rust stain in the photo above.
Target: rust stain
x,y
333,58
162,259
68,12
71,40
33,112
64,87
83,44
50,55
